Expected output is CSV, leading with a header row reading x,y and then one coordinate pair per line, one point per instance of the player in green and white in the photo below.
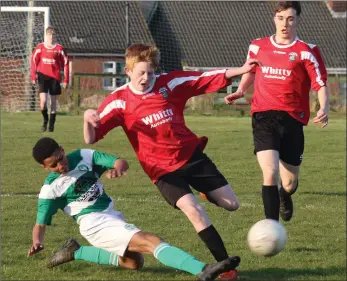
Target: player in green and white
x,y
74,186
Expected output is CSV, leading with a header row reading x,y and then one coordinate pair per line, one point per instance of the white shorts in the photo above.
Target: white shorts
x,y
107,230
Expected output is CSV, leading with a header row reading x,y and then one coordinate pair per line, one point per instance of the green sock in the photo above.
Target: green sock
x,y
95,255
177,258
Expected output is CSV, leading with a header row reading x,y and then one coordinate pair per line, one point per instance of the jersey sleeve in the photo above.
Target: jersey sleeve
x,y
314,65
34,61
252,53
104,159
47,205
111,113
194,83
65,63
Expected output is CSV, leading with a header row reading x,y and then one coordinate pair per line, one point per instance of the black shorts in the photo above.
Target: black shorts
x,y
48,84
277,130
199,172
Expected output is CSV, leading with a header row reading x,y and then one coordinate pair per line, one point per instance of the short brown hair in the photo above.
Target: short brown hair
x,y
285,5
142,53
49,29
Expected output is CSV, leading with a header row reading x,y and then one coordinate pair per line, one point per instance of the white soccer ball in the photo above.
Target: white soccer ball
x,y
267,238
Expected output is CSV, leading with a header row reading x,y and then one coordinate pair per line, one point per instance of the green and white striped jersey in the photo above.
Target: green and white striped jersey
x,y
79,191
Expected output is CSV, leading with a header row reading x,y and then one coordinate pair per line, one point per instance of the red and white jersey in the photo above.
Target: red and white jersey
x,y
286,75
49,61
153,120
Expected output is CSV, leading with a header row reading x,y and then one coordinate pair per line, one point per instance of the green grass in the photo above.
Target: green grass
x,y
316,246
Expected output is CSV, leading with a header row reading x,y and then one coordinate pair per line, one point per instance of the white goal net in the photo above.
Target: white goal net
x,y
22,28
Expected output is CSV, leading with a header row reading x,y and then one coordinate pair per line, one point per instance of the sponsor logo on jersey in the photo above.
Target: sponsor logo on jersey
x,y
302,114
92,193
48,61
293,56
158,118
275,73
279,52
164,92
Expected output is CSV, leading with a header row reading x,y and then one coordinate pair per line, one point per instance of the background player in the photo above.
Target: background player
x,y
46,61
280,105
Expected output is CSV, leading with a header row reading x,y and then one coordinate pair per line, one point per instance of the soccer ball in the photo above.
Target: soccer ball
x,y
267,238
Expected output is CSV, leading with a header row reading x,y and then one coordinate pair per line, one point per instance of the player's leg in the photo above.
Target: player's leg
x,y
267,136
43,90
292,149
54,91
171,256
176,191
72,250
204,176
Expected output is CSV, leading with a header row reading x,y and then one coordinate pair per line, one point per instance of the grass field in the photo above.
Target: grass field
x,y
316,246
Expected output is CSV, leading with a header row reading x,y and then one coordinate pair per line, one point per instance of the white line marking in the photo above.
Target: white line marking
x,y
158,200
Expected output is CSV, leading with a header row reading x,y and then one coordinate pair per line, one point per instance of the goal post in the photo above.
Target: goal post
x,y
44,10
22,29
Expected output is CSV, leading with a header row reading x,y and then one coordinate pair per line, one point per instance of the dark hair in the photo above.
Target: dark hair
x,y
44,148
285,5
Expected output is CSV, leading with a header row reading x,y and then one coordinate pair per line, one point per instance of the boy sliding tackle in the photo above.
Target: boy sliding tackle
x,y
73,186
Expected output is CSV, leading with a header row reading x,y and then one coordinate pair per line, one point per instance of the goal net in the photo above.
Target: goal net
x,y
22,28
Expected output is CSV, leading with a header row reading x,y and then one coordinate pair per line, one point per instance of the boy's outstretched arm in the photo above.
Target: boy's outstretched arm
x,y
38,237
247,67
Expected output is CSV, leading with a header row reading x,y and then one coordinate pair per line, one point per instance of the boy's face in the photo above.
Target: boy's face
x,y
57,163
50,37
286,22
141,76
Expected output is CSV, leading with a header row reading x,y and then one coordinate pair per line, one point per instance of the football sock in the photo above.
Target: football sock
x,y
45,116
271,201
214,243
52,119
96,255
177,258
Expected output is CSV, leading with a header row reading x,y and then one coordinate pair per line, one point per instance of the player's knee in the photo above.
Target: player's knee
x,y
290,185
231,204
270,175
134,261
195,213
138,262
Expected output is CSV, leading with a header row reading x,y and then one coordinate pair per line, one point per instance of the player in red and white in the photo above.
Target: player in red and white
x,y
47,60
150,110
288,69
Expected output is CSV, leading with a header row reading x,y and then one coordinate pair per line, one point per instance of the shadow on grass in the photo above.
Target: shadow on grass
x,y
324,193
293,273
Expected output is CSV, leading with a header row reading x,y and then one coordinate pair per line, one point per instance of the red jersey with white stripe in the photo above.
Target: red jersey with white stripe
x,y
153,120
49,61
285,77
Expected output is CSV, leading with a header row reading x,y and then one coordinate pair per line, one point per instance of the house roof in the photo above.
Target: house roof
x,y
218,33
91,26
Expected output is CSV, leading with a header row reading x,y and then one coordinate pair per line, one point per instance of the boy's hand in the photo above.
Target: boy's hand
x,y
230,99
92,116
119,169
321,118
35,248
